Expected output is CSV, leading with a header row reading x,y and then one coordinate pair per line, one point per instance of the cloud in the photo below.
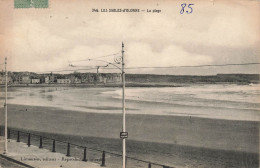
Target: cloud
x,y
48,40
140,54
33,45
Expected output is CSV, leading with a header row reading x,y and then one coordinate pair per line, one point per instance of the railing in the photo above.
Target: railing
x,y
17,134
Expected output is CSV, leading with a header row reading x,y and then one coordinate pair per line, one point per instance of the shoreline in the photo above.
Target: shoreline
x,y
128,84
98,85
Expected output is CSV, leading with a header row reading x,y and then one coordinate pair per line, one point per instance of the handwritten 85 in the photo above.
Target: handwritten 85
x,y
186,8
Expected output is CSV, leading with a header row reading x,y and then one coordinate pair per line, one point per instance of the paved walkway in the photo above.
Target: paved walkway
x,y
40,158
4,163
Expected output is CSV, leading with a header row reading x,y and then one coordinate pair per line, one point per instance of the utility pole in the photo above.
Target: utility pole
x,y
123,104
123,134
5,150
97,74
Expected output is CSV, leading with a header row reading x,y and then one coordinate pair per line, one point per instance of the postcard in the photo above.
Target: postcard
x,y
109,83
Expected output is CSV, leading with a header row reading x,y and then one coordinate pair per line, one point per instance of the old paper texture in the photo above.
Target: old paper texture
x,y
192,79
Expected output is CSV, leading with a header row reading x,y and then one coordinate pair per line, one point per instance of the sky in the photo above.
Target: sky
x,y
216,32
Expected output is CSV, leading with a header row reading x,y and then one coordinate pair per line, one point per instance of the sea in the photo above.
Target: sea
x,y
217,101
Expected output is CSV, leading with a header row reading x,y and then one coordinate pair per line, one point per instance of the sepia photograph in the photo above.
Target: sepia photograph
x,y
129,84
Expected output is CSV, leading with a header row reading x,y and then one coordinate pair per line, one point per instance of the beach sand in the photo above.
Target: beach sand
x,y
171,140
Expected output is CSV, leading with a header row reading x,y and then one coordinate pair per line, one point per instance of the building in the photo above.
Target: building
x,y
74,79
101,78
36,81
17,79
91,78
53,79
85,78
47,79
77,80
26,79
63,81
50,78
88,78
113,78
2,80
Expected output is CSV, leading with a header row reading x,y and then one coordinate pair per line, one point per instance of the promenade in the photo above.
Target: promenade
x,y
34,157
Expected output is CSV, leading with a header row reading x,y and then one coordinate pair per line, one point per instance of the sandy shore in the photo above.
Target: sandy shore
x,y
168,139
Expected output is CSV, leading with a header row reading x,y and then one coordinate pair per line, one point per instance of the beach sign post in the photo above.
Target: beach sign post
x,y
123,135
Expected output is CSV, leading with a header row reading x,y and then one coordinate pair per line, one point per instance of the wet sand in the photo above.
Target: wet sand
x,y
175,140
